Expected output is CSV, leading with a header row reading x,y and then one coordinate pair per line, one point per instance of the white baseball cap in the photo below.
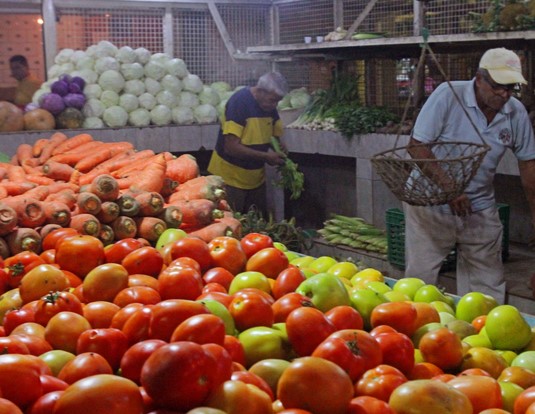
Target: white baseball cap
x,y
503,66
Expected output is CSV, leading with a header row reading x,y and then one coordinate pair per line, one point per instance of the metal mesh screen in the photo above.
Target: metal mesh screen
x,y
78,28
305,18
198,42
393,17
453,16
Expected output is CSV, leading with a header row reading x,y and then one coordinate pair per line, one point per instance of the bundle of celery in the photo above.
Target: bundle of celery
x,y
354,232
291,178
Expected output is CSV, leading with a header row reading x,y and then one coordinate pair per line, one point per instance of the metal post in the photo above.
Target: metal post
x,y
49,33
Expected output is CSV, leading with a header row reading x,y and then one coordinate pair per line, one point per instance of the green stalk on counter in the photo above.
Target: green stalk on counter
x,y
290,177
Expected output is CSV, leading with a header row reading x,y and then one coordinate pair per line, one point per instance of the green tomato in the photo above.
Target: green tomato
x,y
525,359
474,304
322,263
507,329
218,309
445,317
461,328
261,343
270,370
509,391
343,269
379,287
509,356
291,255
422,330
393,296
325,290
364,301
302,261
478,341
441,306
281,246
169,236
431,293
56,359
249,279
408,285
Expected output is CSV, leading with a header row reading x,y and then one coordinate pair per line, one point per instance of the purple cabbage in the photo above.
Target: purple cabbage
x,y
65,77
74,88
77,80
60,87
74,100
52,102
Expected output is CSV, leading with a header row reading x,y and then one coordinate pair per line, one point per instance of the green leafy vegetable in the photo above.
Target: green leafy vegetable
x,y
290,177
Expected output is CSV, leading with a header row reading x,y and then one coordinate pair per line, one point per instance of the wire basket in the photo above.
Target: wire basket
x,y
428,182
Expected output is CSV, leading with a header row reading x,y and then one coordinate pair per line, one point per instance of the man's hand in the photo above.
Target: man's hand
x,y
461,206
275,158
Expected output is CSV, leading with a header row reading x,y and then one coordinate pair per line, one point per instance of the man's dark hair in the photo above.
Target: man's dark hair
x,y
19,59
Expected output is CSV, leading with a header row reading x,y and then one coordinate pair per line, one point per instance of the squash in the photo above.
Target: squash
x,y
11,117
39,120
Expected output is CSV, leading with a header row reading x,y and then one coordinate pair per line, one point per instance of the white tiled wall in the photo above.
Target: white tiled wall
x,y
20,34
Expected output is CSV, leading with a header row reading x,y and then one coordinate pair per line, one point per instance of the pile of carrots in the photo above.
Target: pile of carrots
x,y
107,190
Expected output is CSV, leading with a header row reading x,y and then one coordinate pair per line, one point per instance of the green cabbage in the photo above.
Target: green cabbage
x,y
160,115
139,117
147,101
109,98
205,114
182,115
115,117
111,80
129,102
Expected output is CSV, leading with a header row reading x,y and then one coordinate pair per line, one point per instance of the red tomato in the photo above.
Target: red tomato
x,y
100,313
251,309
179,376
235,349
315,384
379,382
36,345
180,283
287,281
45,403
442,347
253,242
223,364
51,383
111,343
98,393
482,391
365,404
424,370
307,328
397,350
9,407
168,314
123,314
183,262
4,281
146,260
269,261
15,317
221,297
213,287
345,317
136,327
52,239
227,252
49,256
135,356
201,329
137,294
142,280
287,303
84,365
194,248
20,264
524,400
55,302
20,379
399,315
251,378
64,328
218,275
353,350
116,252
13,345
71,249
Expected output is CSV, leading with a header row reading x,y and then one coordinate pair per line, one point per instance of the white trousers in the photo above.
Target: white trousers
x,y
431,235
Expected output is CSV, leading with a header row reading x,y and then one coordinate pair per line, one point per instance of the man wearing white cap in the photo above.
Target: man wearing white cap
x,y
471,222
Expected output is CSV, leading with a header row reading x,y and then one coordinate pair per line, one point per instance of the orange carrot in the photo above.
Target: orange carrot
x,y
4,248
66,196
106,166
8,219
172,216
211,231
85,223
234,224
16,173
72,142
150,228
56,139
88,203
38,146
29,211
128,205
153,175
134,166
57,170
106,235
57,213
199,212
151,203
31,166
75,178
24,238
108,212
124,227
60,186
24,153
183,168
39,179
39,193
72,157
16,188
105,187
3,192
47,228
3,172
101,154
169,187
203,187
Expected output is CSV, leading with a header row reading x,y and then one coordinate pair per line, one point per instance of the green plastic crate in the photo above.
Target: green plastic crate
x,y
395,234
